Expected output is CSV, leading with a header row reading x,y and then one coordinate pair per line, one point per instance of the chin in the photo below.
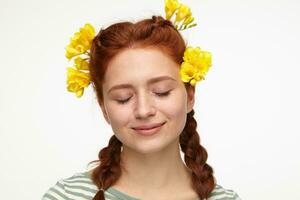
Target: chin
x,y
152,147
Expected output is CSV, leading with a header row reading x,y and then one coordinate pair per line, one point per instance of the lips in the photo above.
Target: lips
x,y
147,130
148,126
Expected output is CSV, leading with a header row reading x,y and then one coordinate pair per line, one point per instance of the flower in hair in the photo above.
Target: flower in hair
x,y
170,7
195,65
196,62
182,14
78,76
81,63
77,81
81,41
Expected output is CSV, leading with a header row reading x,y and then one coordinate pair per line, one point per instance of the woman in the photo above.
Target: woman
x,y
135,71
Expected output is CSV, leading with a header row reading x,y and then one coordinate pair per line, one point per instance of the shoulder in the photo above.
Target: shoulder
x,y
79,186
220,193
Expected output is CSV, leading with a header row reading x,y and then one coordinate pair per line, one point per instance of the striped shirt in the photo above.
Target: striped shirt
x,y
80,187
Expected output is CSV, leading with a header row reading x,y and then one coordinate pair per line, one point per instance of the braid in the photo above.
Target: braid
x,y
195,158
109,170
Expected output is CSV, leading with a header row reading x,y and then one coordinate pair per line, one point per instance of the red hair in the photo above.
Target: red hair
x,y
154,33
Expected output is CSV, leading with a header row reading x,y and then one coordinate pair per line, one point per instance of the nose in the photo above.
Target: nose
x,y
144,107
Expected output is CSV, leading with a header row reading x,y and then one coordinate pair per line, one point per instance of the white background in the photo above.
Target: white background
x,y
247,108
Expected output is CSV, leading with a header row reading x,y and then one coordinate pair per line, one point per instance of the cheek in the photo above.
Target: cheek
x,y
119,121
175,106
118,117
176,112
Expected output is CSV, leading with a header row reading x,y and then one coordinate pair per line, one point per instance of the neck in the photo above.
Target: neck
x,y
153,171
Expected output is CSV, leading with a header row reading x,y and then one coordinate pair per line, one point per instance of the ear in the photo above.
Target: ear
x,y
190,98
104,112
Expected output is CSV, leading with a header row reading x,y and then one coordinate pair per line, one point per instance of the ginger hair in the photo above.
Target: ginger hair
x,y
159,33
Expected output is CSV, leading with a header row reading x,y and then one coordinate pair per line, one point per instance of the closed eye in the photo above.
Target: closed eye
x,y
160,94
123,101
163,93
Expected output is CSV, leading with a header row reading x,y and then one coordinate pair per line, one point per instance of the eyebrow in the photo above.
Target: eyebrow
x,y
150,81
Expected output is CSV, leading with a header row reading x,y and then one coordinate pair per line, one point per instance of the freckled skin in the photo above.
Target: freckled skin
x,y
136,67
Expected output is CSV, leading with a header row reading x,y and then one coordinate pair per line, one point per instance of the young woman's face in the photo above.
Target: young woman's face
x,y
142,87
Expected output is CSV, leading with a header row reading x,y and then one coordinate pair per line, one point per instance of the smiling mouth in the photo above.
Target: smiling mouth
x,y
147,130
149,126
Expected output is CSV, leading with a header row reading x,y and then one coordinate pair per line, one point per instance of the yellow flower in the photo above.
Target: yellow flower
x,y
72,51
183,15
170,7
188,20
198,58
189,73
183,12
77,81
88,32
81,41
81,63
196,64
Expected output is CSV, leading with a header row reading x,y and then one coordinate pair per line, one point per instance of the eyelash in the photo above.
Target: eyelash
x,y
163,94
123,101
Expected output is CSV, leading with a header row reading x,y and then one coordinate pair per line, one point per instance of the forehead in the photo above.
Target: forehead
x,y
137,66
